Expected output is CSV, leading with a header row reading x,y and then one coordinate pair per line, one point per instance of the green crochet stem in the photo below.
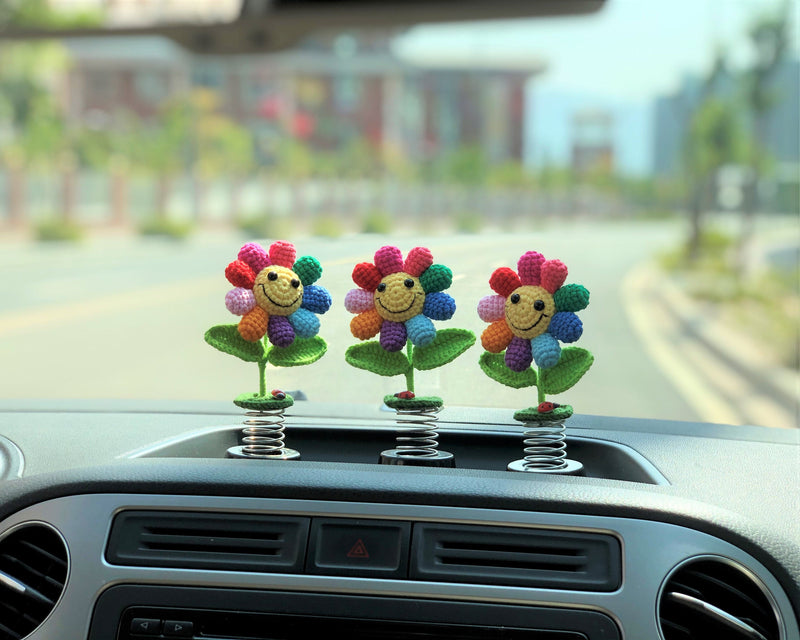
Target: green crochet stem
x,y
410,372
539,387
262,370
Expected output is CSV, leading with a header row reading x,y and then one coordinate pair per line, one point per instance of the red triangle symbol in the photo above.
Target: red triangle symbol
x,y
359,550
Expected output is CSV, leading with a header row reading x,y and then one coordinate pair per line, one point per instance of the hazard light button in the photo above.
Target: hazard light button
x,y
370,548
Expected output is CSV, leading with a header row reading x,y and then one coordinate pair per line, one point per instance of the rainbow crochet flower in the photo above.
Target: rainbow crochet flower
x,y
400,298
275,294
532,311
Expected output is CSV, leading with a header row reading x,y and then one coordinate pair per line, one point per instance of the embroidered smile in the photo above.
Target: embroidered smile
x,y
277,304
544,315
413,300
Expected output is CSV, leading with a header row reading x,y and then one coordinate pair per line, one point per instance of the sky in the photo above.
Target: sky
x,y
619,59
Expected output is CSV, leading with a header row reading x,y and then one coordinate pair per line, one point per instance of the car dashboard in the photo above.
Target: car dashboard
x,y
675,530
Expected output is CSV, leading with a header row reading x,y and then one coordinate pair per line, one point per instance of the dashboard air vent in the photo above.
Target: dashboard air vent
x,y
223,541
33,570
714,598
516,556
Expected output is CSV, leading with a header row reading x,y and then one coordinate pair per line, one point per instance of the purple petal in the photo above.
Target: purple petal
x,y
280,331
393,335
518,354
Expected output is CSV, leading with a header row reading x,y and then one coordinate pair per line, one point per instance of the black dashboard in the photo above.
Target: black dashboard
x,y
673,527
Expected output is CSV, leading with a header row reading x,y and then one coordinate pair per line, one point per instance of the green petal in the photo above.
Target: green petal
x,y
308,269
574,362
226,338
446,347
301,352
371,356
494,365
437,277
571,297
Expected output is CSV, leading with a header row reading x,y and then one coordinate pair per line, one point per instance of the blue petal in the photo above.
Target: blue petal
x,y
566,326
316,299
546,351
420,330
304,323
439,306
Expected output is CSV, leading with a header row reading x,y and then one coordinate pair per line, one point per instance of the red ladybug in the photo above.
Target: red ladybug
x,y
547,407
278,394
404,395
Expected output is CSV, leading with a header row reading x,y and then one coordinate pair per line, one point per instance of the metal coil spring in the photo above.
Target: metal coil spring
x,y
417,435
545,446
263,434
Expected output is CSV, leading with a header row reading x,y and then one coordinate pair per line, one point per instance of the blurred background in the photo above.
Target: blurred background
x,y
657,147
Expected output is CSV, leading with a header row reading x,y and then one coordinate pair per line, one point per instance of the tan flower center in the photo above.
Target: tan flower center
x,y
399,297
278,291
529,310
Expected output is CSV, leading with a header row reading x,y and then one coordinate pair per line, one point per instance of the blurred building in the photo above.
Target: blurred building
x,y
592,142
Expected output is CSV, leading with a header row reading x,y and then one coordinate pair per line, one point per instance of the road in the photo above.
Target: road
x,y
124,318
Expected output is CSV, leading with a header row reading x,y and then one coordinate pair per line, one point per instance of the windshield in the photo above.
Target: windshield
x,y
655,153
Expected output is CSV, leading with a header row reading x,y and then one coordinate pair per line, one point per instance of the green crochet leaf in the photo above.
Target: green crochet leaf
x,y
446,347
573,364
494,366
226,338
301,352
373,357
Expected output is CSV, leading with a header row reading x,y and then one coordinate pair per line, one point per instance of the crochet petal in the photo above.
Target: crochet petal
x,y
239,274
492,308
239,301
437,277
393,335
438,306
571,297
282,253
519,355
253,325
496,336
280,332
504,281
388,260
554,272
566,326
254,256
420,330
316,299
358,301
529,268
417,260
308,269
304,323
366,325
546,351
367,276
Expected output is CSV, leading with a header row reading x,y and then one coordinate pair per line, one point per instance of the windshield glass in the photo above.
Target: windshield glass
x,y
656,155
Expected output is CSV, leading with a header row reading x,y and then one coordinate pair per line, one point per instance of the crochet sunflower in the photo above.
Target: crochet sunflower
x,y
531,313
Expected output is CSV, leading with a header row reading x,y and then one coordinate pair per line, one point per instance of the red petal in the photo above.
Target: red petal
x,y
282,253
554,272
239,274
367,276
417,260
504,281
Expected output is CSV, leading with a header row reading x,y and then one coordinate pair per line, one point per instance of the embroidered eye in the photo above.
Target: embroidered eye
x,y
272,276
514,298
382,287
295,283
409,283
538,305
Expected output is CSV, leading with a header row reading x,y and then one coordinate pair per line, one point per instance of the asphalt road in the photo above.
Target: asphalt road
x,y
125,317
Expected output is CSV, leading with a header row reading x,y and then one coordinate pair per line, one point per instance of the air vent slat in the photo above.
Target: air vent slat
x,y
195,540
44,553
516,556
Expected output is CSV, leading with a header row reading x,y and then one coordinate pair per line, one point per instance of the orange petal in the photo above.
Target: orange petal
x,y
366,325
496,336
253,324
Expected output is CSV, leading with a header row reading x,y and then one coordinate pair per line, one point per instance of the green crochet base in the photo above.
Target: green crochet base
x,y
256,402
532,414
423,402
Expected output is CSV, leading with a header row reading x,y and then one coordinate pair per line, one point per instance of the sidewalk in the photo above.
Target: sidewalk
x,y
723,373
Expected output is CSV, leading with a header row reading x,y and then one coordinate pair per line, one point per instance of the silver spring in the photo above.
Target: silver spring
x,y
417,435
263,433
545,446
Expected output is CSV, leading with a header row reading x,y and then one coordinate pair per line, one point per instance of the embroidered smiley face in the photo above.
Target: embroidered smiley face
x,y
278,291
529,310
399,296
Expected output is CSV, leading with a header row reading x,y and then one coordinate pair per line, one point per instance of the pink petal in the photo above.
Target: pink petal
x,y
554,272
239,301
254,255
492,308
529,268
388,260
282,253
417,260
358,301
